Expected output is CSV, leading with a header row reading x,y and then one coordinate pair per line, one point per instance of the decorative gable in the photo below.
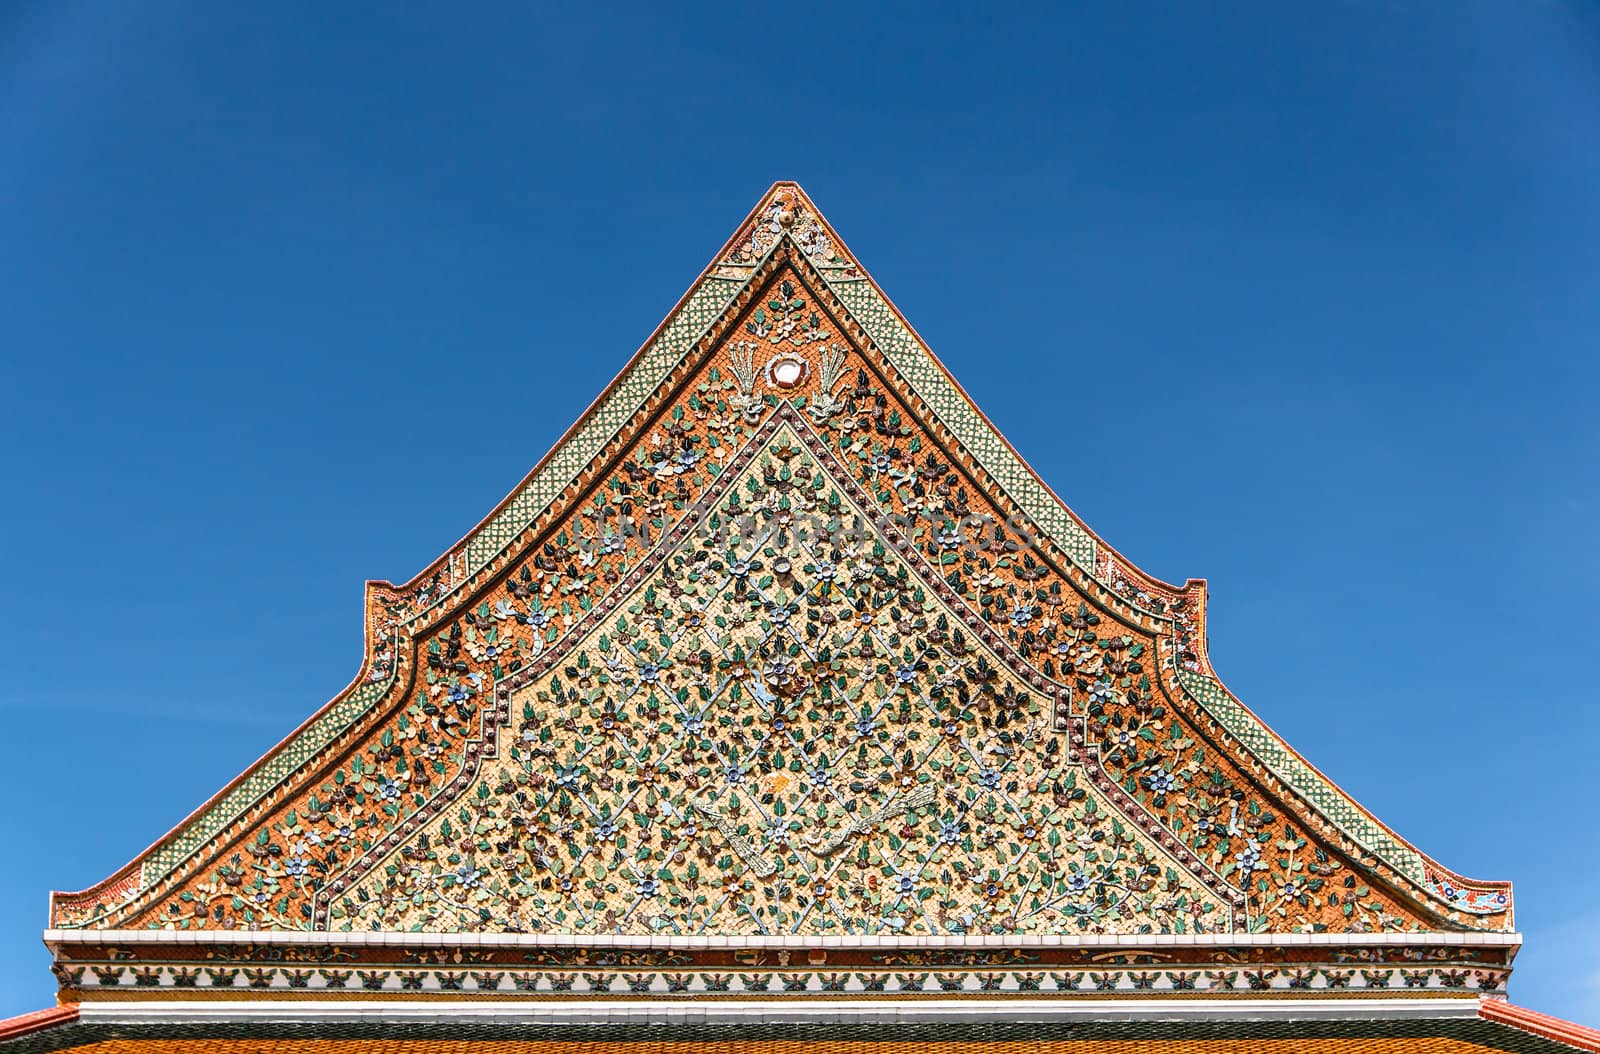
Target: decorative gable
x,y
783,640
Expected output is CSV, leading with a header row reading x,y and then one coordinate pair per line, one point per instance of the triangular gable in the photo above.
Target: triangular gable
x,y
1106,661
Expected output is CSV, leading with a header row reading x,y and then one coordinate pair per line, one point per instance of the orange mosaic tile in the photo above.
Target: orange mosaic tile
x,y
1497,1026
785,640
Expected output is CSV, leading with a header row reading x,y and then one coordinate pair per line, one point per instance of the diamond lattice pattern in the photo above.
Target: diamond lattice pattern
x,y
780,729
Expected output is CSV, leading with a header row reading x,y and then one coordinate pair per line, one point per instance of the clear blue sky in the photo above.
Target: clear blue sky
x,y
289,299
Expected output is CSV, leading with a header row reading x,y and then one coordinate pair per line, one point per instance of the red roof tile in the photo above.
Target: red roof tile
x,y
15,1027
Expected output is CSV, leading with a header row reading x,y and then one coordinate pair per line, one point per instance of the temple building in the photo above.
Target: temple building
x,y
783,707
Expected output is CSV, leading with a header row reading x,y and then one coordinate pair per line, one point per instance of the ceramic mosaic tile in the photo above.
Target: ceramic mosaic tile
x,y
789,666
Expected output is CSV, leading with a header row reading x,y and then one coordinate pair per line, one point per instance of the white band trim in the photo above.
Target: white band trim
x,y
655,1012
54,938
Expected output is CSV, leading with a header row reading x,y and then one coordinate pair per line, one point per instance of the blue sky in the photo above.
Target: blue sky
x,y
290,297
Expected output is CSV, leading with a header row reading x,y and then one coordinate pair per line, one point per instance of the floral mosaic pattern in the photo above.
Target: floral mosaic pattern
x,y
781,731
786,213
542,829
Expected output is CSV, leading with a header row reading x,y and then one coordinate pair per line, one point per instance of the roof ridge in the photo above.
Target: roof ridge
x,y
37,1021
1546,1025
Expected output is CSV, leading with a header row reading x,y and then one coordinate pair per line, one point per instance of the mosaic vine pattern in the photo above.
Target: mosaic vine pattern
x,y
1038,601
781,731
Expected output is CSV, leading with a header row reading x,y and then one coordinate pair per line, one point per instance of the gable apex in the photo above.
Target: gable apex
x,y
784,639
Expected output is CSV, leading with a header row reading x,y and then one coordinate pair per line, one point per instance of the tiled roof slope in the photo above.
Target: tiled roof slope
x,y
783,638
40,1020
1418,1036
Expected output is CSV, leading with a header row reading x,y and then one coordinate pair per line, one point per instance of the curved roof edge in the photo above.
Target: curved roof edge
x,y
37,1021
466,564
894,335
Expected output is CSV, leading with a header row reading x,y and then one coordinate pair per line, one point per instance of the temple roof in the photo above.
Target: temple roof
x,y
783,659
1495,1026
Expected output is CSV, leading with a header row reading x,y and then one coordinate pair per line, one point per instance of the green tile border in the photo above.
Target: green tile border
x,y
327,727
933,387
1300,777
706,302
704,306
